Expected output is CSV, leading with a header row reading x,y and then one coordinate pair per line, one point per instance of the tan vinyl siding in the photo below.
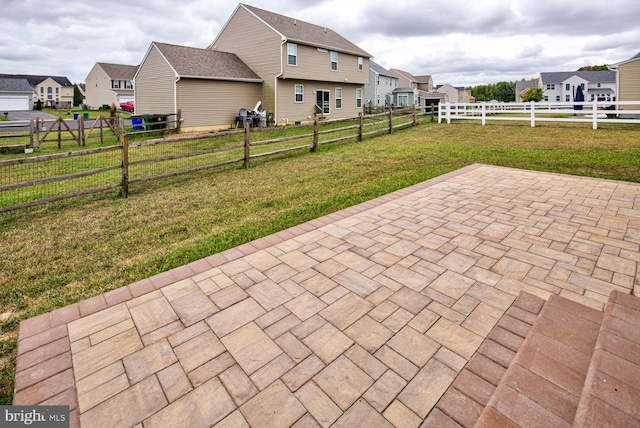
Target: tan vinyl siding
x,y
214,102
629,83
98,88
313,64
289,111
155,85
256,45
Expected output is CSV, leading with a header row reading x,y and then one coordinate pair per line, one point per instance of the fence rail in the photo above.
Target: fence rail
x,y
593,112
35,180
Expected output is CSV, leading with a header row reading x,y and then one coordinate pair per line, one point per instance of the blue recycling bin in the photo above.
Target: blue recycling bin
x,y
75,116
136,121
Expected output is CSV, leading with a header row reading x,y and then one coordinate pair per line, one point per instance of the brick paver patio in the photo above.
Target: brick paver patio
x,y
365,317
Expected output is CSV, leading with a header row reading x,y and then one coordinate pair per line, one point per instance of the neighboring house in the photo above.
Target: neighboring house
x,y
15,94
208,87
596,85
522,85
108,84
416,90
628,82
306,68
52,91
455,94
382,82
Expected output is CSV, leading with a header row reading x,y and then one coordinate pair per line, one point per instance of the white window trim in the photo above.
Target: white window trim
x,y
294,55
336,98
295,94
358,98
331,55
360,63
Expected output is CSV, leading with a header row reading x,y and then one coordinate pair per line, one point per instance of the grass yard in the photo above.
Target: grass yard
x,y
64,252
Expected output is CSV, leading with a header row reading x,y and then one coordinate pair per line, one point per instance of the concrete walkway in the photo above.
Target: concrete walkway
x,y
364,317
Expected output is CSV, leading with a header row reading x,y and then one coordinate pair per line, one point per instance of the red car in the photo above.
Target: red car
x,y
128,106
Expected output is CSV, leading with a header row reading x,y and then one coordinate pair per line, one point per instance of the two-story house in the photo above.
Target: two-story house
x,y
562,85
52,91
416,90
108,84
628,81
299,69
306,68
382,82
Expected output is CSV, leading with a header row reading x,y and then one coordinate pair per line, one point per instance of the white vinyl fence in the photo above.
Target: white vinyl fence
x,y
605,112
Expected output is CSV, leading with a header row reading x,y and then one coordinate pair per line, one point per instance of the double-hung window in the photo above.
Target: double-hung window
x,y
334,61
358,97
299,91
292,54
360,63
338,97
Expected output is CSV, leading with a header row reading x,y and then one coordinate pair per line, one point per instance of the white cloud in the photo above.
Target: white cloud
x,y
458,42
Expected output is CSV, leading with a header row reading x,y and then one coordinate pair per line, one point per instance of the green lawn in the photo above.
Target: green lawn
x,y
64,252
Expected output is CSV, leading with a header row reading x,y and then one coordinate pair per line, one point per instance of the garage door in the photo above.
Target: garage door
x,y
12,103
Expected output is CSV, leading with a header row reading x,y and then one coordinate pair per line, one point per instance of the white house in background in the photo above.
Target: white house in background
x,y
108,84
382,82
596,85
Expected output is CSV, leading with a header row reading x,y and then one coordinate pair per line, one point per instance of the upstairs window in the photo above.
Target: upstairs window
x,y
127,84
360,63
567,87
292,54
334,61
49,90
57,90
299,91
115,84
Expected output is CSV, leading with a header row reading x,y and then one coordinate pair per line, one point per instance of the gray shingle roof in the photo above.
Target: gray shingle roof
x,y
35,80
306,33
206,63
381,70
605,76
119,71
19,85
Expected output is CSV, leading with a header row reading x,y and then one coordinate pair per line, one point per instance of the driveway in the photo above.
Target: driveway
x,y
29,114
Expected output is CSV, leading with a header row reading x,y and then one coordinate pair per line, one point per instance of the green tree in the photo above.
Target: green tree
x,y
501,91
532,93
77,95
594,68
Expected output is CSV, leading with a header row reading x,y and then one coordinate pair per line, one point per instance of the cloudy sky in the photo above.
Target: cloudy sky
x,y
461,42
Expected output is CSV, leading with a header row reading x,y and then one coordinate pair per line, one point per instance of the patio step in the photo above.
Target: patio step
x,y
577,367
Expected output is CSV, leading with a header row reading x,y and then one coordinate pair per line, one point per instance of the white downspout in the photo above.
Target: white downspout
x,y
175,95
275,83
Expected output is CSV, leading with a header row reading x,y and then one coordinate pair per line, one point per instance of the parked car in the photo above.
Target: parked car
x,y
127,106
